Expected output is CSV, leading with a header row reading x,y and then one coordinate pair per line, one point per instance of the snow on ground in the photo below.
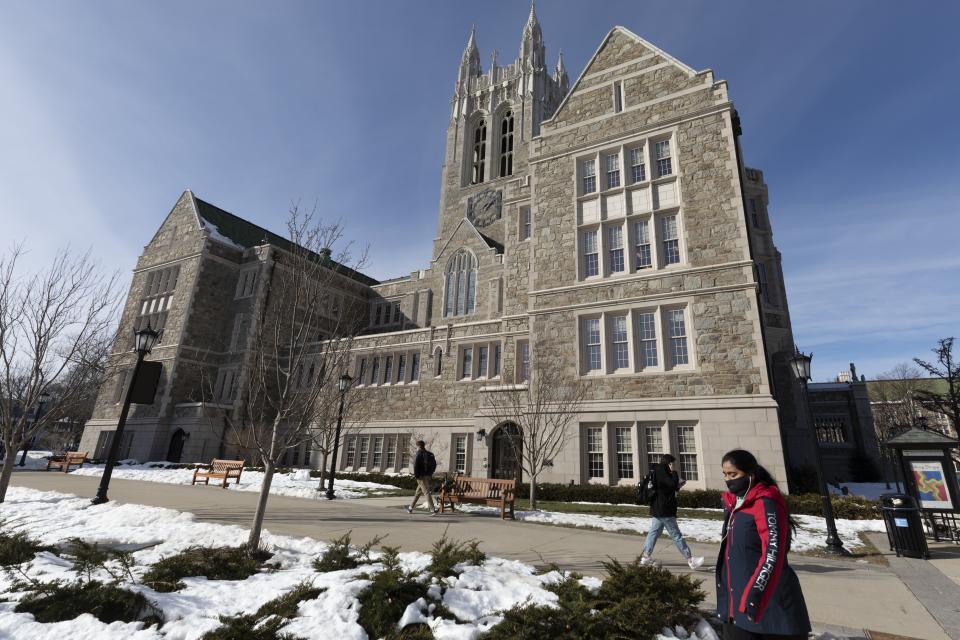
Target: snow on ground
x,y
474,596
297,484
35,459
811,530
869,490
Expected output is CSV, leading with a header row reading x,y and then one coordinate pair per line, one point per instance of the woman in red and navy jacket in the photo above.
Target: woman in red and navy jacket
x,y
758,594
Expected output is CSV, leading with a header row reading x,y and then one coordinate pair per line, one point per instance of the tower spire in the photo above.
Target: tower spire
x,y
531,42
560,75
470,60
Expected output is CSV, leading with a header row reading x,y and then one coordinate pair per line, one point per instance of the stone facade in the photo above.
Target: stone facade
x,y
657,285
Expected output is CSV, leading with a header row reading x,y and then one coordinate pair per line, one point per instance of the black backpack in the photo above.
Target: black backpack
x,y
647,488
429,462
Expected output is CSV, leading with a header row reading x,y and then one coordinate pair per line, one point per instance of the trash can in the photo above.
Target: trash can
x,y
904,525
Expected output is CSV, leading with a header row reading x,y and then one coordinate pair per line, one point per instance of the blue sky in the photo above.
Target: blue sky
x,y
111,109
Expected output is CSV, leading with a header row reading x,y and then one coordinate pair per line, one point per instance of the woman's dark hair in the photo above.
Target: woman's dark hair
x,y
667,458
747,462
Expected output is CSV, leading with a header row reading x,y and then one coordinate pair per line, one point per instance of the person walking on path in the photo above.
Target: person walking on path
x,y
424,465
663,512
758,594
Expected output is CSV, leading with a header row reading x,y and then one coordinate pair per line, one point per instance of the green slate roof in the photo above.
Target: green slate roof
x,y
921,437
246,234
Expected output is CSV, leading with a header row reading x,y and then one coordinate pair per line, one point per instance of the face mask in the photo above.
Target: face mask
x,y
739,486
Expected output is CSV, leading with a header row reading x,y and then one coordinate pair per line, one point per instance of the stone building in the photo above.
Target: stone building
x,y
611,224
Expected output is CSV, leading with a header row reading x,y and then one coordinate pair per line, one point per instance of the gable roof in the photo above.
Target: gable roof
x,y
490,243
921,437
244,234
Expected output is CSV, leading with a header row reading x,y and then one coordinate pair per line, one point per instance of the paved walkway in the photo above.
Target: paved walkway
x,y
839,593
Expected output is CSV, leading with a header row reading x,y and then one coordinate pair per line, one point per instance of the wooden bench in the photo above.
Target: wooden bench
x,y
221,469
479,490
64,462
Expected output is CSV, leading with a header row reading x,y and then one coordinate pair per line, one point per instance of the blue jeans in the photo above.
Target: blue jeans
x,y
657,525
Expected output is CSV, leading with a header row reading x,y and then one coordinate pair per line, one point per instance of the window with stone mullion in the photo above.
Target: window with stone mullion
x,y
595,451
678,336
643,247
591,253
613,170
619,333
593,349
615,249
624,448
670,239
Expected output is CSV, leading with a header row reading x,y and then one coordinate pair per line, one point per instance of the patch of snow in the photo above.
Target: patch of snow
x,y
214,233
35,459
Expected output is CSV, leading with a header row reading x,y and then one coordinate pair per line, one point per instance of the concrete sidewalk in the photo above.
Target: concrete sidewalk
x,y
839,593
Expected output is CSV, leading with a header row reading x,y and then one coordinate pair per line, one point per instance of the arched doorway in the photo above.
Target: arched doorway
x,y
175,450
506,443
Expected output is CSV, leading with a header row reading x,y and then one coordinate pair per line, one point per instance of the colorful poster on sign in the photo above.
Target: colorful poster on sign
x,y
931,482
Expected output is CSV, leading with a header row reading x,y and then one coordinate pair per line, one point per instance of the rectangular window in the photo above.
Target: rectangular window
x,y
764,287
387,369
375,371
523,372
526,223
595,451
225,387
678,336
687,452
647,329
378,312
364,451
671,240
391,452
638,164
496,361
613,170
460,454
589,173
617,96
239,329
621,348
591,257
624,441
246,283
591,331
615,245
396,312
653,441
401,368
157,299
664,161
644,256
351,457
377,452
482,359
754,214
415,367
404,445
122,379
830,430
361,370
466,368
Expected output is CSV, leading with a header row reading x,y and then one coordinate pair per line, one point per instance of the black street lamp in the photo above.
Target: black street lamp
x,y
345,381
145,340
42,399
801,369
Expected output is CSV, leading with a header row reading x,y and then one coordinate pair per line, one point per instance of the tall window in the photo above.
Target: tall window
x,y
496,361
754,213
644,256
595,451
613,170
678,336
685,436
157,297
523,369
617,96
460,454
621,347
506,145
479,152
482,359
653,441
391,452
246,283
647,329
526,223
624,443
615,246
361,370
762,278
401,367
438,362
664,160
377,452
592,331
375,371
351,458
467,365
415,367
591,257
364,451
671,240
387,369
461,284
589,172
638,164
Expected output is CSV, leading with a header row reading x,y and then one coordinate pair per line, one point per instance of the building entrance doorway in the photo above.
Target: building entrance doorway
x,y
175,451
506,441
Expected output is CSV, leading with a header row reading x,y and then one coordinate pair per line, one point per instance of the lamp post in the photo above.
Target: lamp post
x,y
145,340
42,399
345,381
801,369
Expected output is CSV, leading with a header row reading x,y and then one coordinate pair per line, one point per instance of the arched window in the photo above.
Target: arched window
x,y
506,145
479,151
461,284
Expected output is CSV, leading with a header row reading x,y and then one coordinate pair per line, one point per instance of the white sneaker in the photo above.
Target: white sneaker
x,y
409,509
647,561
695,562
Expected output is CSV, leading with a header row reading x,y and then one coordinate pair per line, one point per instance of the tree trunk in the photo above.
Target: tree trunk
x,y
323,467
9,460
253,543
533,493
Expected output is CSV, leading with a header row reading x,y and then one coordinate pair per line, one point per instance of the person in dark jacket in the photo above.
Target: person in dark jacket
x,y
663,512
423,467
758,594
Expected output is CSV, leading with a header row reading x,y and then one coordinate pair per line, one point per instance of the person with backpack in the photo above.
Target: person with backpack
x,y
758,594
424,466
663,513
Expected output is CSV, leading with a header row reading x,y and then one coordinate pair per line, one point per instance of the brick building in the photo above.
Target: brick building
x,y
611,223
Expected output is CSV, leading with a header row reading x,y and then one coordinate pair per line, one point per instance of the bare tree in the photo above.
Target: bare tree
x,y
55,326
545,409
894,405
298,346
946,399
